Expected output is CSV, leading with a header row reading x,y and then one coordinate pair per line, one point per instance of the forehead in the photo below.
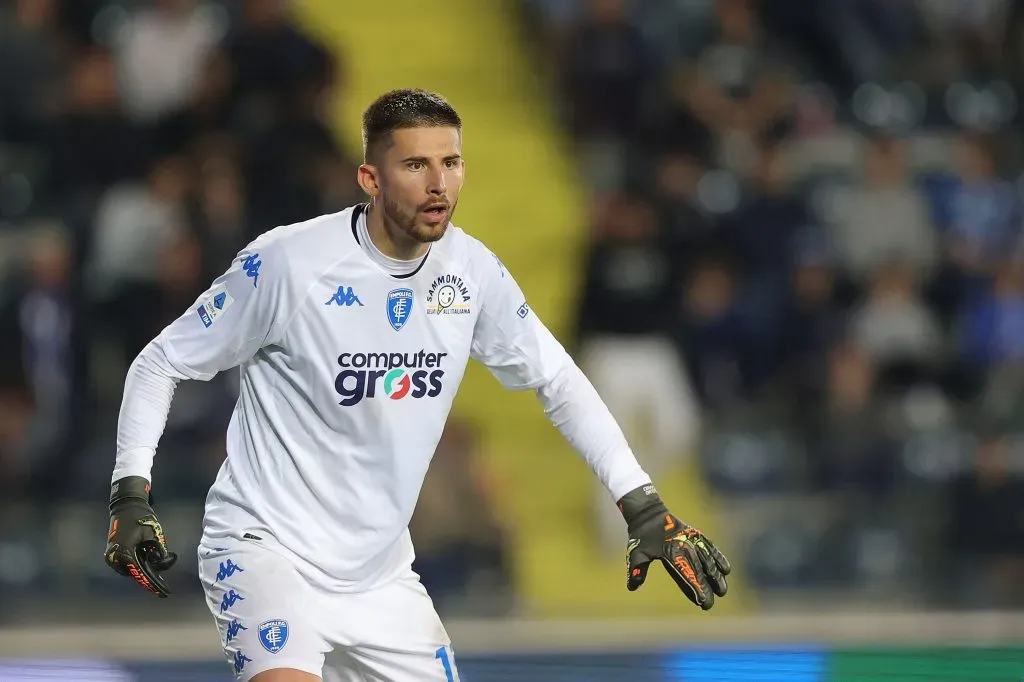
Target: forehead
x,y
433,141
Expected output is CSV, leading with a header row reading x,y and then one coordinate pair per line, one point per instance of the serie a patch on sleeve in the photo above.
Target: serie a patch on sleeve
x,y
213,304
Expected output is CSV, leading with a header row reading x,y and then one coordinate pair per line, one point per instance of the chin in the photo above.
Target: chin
x,y
426,233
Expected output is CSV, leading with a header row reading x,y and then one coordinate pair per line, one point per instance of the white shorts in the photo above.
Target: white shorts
x,y
269,617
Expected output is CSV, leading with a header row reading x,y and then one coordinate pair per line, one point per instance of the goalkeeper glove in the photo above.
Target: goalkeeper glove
x,y
696,565
136,546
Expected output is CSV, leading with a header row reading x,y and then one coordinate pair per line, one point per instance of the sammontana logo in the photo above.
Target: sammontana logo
x,y
448,295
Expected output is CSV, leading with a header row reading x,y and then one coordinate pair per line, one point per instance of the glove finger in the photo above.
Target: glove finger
x,y
145,575
153,534
160,558
637,563
723,564
683,563
711,570
117,558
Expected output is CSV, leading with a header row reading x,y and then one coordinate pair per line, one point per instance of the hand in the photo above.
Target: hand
x,y
696,565
136,546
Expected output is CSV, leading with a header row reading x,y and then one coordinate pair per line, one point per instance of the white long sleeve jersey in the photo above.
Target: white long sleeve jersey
x,y
348,374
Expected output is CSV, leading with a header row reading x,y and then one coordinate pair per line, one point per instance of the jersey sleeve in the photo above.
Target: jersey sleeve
x,y
243,310
509,339
522,353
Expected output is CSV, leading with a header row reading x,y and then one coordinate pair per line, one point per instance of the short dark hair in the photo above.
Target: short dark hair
x,y
405,108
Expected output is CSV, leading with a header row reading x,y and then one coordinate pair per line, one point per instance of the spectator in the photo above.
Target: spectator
x,y
810,325
607,71
993,323
984,512
984,223
273,61
160,55
28,93
711,337
893,324
220,214
91,144
762,233
886,215
734,81
853,452
134,223
41,323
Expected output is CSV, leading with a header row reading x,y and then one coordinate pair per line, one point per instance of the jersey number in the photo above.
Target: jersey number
x,y
442,654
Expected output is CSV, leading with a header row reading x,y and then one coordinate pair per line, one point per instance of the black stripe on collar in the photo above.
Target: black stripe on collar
x,y
358,211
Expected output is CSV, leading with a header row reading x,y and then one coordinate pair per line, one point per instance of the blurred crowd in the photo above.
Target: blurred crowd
x,y
142,144
805,264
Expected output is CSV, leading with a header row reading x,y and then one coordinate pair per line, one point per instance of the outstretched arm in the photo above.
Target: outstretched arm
x,y
228,323
523,354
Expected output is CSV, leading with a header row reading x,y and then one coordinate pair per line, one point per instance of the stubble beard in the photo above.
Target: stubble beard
x,y
409,224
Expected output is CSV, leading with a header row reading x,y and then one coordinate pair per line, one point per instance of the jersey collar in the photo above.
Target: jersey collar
x,y
357,211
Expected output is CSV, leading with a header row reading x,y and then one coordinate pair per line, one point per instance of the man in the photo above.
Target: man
x,y
353,331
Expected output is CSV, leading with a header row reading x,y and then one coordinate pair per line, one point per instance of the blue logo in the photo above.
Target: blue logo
x,y
233,627
204,316
523,311
251,265
399,307
344,297
229,600
240,661
274,635
227,569
218,300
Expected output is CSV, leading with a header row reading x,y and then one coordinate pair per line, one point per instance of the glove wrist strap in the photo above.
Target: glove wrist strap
x,y
128,487
641,504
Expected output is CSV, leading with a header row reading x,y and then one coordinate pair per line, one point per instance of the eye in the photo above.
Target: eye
x,y
415,165
452,163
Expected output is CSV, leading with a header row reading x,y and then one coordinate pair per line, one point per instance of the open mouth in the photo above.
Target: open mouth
x,y
436,212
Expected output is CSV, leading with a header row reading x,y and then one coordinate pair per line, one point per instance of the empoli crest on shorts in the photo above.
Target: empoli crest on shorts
x,y
399,307
273,635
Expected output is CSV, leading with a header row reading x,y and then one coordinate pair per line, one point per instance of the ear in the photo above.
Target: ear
x,y
368,178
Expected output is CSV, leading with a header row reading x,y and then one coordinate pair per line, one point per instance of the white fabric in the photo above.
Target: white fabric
x,y
389,633
339,412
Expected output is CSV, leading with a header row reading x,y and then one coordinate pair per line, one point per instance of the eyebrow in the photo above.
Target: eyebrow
x,y
423,159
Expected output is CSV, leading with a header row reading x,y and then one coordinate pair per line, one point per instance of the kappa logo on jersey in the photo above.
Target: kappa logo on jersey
x,y
399,307
501,266
524,310
251,265
448,295
214,304
344,297
273,635
393,375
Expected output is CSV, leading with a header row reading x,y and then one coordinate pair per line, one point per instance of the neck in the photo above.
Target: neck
x,y
389,238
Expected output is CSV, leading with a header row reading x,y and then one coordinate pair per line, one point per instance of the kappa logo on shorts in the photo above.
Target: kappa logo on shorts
x,y
273,635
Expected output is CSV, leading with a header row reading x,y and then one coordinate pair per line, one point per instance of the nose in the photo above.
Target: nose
x,y
436,183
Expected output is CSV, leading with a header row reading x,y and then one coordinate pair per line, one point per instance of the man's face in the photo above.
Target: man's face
x,y
420,176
